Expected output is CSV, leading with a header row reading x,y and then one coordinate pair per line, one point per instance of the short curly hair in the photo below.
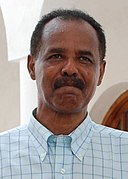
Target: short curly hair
x,y
66,14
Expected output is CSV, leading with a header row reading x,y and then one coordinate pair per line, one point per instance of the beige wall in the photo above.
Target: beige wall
x,y
9,86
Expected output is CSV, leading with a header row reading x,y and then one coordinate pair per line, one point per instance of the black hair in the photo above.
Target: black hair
x,y
66,15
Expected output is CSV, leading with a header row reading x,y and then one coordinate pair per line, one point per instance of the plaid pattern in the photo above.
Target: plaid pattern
x,y
90,152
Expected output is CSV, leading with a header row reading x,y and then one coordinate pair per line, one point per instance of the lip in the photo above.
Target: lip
x,y
69,90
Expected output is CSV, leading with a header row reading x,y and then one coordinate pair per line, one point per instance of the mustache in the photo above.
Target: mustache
x,y
69,81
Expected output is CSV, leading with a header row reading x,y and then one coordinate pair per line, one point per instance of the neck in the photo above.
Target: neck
x,y
60,123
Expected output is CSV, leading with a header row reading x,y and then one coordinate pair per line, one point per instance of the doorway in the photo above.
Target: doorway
x,y
117,115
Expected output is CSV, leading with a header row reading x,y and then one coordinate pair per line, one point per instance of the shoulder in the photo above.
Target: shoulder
x,y
13,136
13,131
110,132
110,136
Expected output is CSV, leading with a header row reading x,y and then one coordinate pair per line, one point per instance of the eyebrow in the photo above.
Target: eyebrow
x,y
56,50
85,52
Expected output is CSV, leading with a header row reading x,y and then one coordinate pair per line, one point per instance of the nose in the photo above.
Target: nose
x,y
70,68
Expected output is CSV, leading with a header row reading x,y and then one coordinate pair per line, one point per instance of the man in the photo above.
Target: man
x,y
61,141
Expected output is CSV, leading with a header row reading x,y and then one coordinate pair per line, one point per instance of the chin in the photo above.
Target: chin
x,y
68,104
69,109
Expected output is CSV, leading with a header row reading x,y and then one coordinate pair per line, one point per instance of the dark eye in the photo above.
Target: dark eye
x,y
85,59
56,56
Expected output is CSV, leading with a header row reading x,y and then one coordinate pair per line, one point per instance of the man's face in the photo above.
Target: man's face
x,y
68,67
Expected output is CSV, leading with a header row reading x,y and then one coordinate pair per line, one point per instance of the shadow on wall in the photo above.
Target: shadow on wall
x,y
104,102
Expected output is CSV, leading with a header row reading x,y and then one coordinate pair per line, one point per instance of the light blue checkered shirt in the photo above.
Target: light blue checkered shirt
x,y
90,152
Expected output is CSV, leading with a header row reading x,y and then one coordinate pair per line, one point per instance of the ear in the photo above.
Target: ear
x,y
31,66
102,70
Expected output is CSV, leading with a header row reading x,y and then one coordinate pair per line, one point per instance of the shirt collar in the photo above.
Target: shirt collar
x,y
81,137
39,135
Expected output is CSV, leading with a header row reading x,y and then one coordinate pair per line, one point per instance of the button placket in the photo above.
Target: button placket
x,y
59,169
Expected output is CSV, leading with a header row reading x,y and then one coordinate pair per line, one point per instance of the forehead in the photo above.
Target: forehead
x,y
58,25
70,34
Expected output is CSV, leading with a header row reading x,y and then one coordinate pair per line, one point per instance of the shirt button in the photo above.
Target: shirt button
x,y
62,170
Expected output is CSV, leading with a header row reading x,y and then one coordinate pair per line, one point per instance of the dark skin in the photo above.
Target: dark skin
x,y
70,50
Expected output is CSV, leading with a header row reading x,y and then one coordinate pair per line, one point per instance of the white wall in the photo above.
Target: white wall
x,y
20,17
28,93
9,86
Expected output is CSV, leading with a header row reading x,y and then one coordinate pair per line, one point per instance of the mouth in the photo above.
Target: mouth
x,y
68,93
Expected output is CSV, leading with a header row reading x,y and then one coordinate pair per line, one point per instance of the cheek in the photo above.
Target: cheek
x,y
45,81
40,79
50,73
91,79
